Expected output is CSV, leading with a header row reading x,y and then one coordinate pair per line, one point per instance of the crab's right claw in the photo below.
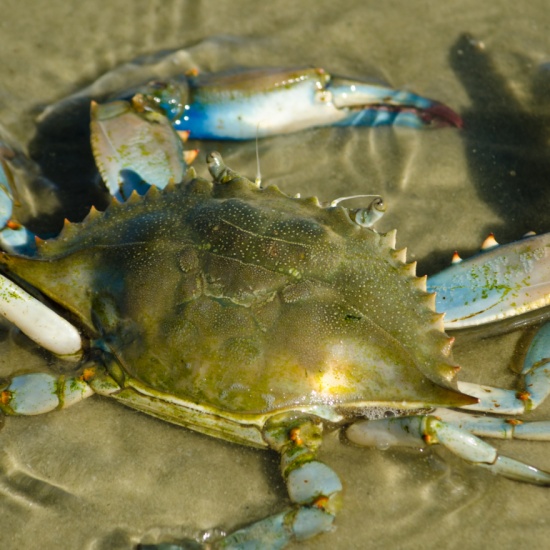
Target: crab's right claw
x,y
501,282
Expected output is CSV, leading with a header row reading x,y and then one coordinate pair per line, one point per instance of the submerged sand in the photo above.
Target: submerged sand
x,y
101,476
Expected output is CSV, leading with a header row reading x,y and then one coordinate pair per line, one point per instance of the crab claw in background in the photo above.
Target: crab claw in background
x,y
135,147
17,175
265,102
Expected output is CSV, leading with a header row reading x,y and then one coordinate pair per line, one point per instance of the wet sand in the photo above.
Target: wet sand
x,y
104,477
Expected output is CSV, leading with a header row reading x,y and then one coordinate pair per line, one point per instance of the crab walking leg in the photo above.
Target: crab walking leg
x,y
536,367
418,431
313,487
536,371
498,428
38,322
39,393
495,400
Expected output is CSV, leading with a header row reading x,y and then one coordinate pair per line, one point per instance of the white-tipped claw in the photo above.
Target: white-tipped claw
x,y
38,322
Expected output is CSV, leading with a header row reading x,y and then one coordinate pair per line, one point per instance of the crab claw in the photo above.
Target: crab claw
x,y
135,147
370,104
16,172
499,283
265,102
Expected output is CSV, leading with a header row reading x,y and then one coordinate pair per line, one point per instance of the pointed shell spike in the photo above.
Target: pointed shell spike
x,y
183,134
389,239
153,192
429,300
438,319
400,255
93,213
410,269
420,283
191,174
456,258
190,155
489,242
170,187
134,197
447,348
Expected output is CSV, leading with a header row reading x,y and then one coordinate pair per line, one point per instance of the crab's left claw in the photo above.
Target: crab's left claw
x,y
135,147
265,102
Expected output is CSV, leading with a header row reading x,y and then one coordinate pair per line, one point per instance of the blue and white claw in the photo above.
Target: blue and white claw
x,y
265,102
134,145
40,323
501,282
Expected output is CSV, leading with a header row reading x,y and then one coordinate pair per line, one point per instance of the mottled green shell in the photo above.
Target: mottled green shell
x,y
249,301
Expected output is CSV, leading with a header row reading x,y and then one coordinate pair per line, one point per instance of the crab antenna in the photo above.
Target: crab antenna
x,y
258,180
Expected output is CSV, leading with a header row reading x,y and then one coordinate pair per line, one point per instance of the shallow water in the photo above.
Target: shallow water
x,y
101,476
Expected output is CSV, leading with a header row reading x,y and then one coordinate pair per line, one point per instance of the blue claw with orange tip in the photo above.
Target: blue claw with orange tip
x,y
265,102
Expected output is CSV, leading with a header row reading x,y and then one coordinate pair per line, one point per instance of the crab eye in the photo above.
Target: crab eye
x,y
364,217
215,165
367,217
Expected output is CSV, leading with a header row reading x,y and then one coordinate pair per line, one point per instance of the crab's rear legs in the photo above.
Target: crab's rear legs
x,y
419,431
313,487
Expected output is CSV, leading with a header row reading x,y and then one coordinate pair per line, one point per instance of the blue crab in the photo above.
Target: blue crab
x,y
278,317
